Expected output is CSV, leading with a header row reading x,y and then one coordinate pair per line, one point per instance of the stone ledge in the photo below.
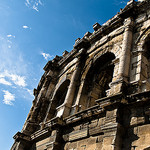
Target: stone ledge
x,y
39,133
21,136
107,101
95,110
138,97
54,122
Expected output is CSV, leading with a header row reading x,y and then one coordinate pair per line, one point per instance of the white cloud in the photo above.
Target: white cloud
x,y
25,27
16,79
28,2
46,56
3,81
35,8
9,36
34,4
8,97
15,71
9,46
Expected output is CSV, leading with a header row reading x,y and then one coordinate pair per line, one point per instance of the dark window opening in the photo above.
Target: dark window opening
x,y
98,79
61,93
147,49
146,59
59,98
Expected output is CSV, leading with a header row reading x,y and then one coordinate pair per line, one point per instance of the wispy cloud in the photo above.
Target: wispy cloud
x,y
47,56
9,42
15,72
3,81
16,79
8,98
34,4
30,92
10,36
11,60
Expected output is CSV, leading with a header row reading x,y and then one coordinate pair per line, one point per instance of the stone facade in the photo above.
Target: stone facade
x,y
97,97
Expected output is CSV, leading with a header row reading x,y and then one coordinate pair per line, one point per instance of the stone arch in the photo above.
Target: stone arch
x,y
58,98
146,47
97,79
96,56
61,92
141,66
141,39
146,57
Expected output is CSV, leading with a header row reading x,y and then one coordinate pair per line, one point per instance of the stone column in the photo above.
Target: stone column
x,y
76,106
64,109
124,64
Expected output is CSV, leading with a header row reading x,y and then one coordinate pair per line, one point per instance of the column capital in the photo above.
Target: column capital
x,y
129,24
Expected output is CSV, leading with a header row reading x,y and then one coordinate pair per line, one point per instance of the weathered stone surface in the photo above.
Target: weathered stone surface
x,y
96,97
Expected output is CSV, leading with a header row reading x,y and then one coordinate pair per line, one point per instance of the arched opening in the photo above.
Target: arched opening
x,y
61,93
60,96
146,59
147,48
58,99
97,80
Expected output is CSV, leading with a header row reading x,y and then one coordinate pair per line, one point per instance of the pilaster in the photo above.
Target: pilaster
x,y
126,50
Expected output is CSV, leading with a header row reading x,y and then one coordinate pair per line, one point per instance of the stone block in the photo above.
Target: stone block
x,y
140,120
42,144
92,140
72,146
108,143
111,114
82,143
101,121
95,131
142,142
93,124
78,134
133,121
144,129
99,146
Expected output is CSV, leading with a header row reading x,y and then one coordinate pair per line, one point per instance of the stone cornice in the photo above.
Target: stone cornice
x,y
39,133
95,110
21,136
68,57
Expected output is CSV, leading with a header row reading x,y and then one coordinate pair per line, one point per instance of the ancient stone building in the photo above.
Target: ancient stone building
x,y
97,97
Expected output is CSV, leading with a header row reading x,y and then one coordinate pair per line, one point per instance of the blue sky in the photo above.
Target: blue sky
x,y
31,33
